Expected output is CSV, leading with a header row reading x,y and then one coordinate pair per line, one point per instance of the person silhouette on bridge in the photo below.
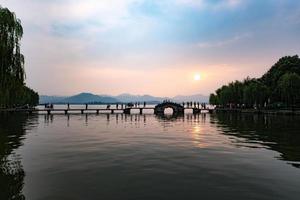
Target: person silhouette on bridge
x,y
144,104
183,104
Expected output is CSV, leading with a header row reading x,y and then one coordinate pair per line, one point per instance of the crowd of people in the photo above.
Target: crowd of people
x,y
194,105
131,105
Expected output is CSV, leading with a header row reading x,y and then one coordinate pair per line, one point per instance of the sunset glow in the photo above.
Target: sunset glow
x,y
149,99
197,77
145,47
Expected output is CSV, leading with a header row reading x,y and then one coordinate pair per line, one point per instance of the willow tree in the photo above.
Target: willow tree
x,y
12,73
280,85
289,87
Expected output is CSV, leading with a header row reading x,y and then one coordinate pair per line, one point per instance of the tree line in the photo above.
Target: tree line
x,y
13,91
279,87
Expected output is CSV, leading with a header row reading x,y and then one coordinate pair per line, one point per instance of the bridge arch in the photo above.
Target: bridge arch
x,y
177,108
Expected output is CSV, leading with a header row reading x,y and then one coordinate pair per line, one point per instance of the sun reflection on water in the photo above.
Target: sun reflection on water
x,y
198,136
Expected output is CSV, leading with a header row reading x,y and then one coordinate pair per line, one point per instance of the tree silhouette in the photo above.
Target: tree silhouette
x,y
12,74
13,129
280,85
289,87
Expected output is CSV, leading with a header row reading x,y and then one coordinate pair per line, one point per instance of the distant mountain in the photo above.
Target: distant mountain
x,y
78,99
197,97
90,98
140,98
125,98
50,99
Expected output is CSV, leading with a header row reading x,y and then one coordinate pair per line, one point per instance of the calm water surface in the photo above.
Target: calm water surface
x,y
148,157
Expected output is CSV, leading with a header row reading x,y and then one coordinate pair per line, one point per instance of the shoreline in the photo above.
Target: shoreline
x,y
259,111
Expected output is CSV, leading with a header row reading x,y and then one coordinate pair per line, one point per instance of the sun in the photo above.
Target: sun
x,y
197,77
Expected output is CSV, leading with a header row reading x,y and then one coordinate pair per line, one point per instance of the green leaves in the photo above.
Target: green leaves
x,y
289,87
12,72
281,84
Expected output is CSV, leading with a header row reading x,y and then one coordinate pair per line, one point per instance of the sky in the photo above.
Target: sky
x,y
158,47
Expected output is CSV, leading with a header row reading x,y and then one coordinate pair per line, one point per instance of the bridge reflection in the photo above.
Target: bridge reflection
x,y
278,133
129,118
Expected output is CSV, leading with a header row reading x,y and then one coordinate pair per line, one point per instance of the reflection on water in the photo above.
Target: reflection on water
x,y
223,156
279,133
12,131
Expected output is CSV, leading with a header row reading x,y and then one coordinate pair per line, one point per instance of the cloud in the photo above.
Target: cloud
x,y
89,17
192,3
85,41
223,42
208,4
233,3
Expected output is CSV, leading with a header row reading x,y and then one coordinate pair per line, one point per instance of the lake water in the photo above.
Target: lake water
x,y
224,156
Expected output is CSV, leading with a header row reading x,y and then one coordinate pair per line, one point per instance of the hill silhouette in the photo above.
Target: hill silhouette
x,y
124,98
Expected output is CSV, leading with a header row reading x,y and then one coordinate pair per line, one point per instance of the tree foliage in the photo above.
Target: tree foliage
x,y
281,84
289,87
13,91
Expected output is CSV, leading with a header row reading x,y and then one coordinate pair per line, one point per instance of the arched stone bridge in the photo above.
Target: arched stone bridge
x,y
177,108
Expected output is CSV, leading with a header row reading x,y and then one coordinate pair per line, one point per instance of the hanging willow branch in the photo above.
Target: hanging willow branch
x,y
12,73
